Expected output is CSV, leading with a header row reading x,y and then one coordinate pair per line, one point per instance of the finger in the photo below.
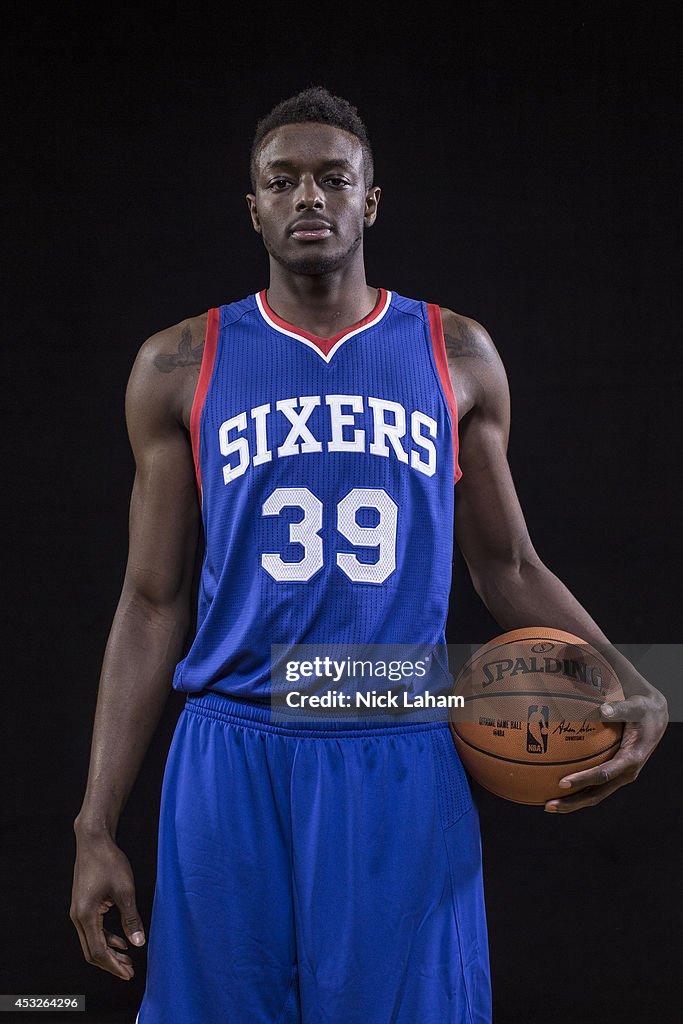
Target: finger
x,y
586,798
81,936
109,960
115,940
114,963
121,958
131,920
622,766
115,943
98,953
634,709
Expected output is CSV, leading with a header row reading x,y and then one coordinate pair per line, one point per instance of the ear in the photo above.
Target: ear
x,y
371,204
251,203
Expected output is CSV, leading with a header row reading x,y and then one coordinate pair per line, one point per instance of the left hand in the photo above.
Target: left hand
x,y
645,718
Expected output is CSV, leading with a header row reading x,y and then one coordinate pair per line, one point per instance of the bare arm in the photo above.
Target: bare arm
x,y
145,643
512,581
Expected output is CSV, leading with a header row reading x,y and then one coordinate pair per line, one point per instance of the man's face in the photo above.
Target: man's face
x,y
310,204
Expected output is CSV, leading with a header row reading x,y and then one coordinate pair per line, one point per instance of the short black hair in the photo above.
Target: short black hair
x,y
316,105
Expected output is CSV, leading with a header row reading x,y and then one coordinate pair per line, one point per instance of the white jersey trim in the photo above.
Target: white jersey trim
x,y
311,344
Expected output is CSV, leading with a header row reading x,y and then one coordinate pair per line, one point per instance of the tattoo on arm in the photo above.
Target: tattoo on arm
x,y
466,343
185,356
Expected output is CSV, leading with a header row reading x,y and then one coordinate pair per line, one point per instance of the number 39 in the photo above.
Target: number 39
x,y
307,533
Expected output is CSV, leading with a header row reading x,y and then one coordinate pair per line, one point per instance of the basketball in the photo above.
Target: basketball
x,y
531,713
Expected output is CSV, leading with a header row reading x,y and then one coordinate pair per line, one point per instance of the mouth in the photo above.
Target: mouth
x,y
311,230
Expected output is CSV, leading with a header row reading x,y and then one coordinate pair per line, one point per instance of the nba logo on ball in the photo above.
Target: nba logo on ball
x,y
531,713
537,729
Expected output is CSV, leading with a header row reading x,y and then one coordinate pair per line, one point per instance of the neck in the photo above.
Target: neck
x,y
322,304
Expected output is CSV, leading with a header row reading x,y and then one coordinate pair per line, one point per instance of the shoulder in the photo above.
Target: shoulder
x,y
474,362
166,369
466,337
173,347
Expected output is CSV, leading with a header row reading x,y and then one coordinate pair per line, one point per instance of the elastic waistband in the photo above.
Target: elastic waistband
x,y
216,705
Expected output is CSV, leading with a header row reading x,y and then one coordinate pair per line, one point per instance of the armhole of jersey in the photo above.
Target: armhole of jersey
x,y
441,360
208,360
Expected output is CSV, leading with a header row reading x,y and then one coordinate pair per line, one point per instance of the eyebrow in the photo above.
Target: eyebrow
x,y
326,164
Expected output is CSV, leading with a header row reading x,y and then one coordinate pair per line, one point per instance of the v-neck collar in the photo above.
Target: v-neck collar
x,y
325,347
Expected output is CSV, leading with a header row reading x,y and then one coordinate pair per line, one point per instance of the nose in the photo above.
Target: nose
x,y
309,195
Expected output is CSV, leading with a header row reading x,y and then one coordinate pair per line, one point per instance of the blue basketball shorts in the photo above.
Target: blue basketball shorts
x,y
315,873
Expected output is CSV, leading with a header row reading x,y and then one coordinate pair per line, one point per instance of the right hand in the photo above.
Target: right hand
x,y
102,878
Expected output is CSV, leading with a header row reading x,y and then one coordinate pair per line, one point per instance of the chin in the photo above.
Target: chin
x,y
314,263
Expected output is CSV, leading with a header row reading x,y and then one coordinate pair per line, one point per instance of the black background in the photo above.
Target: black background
x,y
529,157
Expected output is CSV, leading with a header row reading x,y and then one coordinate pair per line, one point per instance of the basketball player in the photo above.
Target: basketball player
x,y
314,430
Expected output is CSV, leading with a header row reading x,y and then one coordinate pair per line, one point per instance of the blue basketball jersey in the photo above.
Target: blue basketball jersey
x,y
325,470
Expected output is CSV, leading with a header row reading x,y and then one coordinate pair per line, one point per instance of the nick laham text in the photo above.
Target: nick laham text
x,y
336,699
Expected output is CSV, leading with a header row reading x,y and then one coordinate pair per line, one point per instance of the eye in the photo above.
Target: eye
x,y
278,184
337,182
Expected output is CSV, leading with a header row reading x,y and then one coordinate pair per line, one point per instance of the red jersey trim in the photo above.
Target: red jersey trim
x,y
208,360
441,360
324,345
